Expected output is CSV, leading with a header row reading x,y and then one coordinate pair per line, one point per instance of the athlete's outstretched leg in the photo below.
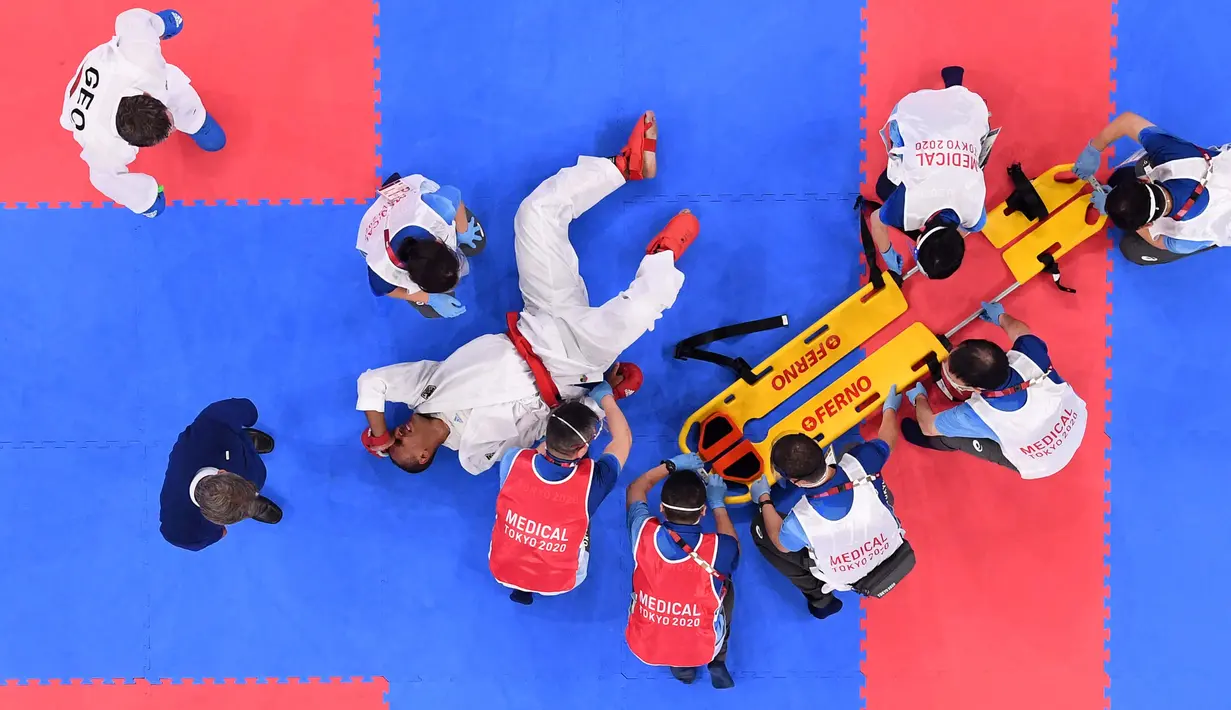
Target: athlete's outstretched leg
x,y
546,262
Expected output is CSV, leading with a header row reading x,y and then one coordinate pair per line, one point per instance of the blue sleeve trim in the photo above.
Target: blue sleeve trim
x,y
962,422
979,225
1163,146
728,554
379,286
638,513
872,455
792,536
893,212
606,473
506,463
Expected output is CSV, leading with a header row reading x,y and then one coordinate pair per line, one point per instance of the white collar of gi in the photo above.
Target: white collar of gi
x,y
192,487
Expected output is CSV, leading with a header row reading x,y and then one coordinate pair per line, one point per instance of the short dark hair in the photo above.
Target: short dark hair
x,y
941,253
799,458
1128,205
980,363
683,489
567,421
142,121
415,467
226,499
432,265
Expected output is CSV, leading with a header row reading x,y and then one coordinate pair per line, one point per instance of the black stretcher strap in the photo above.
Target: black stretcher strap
x,y
690,348
866,207
1050,266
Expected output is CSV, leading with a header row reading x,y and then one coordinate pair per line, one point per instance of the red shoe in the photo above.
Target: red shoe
x,y
637,161
677,236
628,379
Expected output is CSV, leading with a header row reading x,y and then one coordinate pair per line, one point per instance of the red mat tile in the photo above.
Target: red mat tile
x,y
272,694
1006,607
301,125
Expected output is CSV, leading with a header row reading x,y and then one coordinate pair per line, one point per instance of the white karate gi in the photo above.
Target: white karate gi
x,y
129,65
484,390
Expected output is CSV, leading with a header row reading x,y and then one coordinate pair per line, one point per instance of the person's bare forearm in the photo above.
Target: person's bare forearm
x,y
773,523
722,523
376,422
880,233
925,417
639,490
402,294
1126,125
460,223
889,428
621,435
1013,327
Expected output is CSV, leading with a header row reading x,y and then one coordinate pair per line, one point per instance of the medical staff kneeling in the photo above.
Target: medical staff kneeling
x,y
548,494
1021,414
840,533
682,592
415,239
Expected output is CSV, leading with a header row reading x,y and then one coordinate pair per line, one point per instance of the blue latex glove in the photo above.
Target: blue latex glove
x,y
991,312
893,260
893,400
1099,199
446,305
687,462
471,236
172,21
160,204
759,489
715,492
600,391
916,392
1088,162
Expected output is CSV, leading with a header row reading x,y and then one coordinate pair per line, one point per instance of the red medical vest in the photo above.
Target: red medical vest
x,y
671,621
540,527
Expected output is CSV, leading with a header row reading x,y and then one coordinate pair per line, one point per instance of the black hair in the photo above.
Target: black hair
x,y
566,422
432,265
941,253
799,458
1128,205
142,121
415,467
980,363
683,489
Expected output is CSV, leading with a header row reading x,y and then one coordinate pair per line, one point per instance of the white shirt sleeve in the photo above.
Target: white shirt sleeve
x,y
140,41
491,431
136,191
396,383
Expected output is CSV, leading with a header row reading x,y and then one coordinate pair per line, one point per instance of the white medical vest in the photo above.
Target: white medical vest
x,y
844,551
942,133
1041,437
400,205
1214,222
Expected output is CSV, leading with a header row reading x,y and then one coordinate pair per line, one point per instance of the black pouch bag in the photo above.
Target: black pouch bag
x,y
888,573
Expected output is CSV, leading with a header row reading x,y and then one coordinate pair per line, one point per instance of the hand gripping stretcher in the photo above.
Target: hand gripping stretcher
x,y
1049,219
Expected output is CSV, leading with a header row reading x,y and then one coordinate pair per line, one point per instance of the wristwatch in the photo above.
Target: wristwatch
x,y
670,465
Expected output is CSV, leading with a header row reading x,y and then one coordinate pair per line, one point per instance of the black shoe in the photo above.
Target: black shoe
x,y
831,607
521,597
269,513
263,442
720,677
684,675
390,180
952,76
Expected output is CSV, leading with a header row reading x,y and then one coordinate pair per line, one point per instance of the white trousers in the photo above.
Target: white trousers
x,y
578,342
183,101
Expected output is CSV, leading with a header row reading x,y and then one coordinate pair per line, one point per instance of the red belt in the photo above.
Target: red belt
x,y
542,378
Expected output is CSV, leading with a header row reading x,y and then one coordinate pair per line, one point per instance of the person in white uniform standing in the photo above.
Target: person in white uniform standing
x,y
1021,414
932,187
123,97
416,238
495,393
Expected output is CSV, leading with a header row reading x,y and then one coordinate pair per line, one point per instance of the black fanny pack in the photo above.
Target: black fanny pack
x,y
888,573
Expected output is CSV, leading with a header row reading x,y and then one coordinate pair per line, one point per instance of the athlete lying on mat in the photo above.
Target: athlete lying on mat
x,y
496,392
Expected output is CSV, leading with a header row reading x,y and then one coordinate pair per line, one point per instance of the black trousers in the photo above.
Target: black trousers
x,y
795,566
728,607
986,449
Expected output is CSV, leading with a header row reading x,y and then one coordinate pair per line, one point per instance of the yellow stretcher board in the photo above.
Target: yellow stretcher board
x,y
810,353
1058,235
1002,229
842,405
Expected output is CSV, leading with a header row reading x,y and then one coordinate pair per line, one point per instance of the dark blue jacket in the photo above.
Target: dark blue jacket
x,y
216,438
